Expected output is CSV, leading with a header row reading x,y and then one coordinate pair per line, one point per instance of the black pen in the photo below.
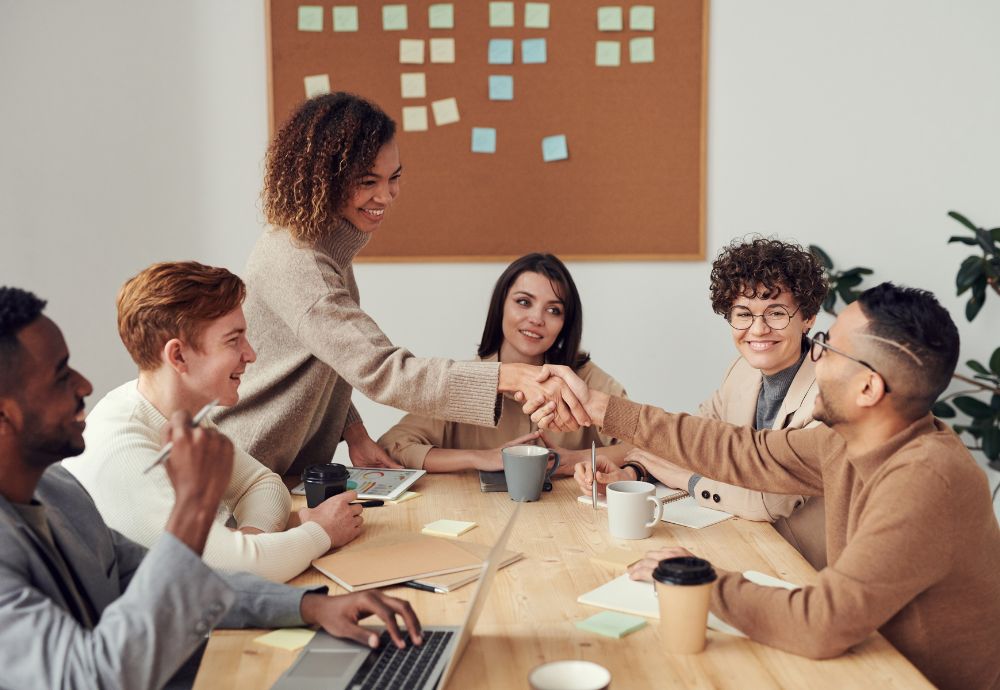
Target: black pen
x,y
369,504
413,584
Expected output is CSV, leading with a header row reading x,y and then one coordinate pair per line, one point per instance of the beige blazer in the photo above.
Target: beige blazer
x,y
799,519
409,441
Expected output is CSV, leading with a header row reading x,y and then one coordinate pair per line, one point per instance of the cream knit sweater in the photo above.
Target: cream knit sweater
x,y
315,345
123,439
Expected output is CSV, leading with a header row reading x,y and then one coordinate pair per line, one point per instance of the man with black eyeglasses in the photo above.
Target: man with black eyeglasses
x,y
912,543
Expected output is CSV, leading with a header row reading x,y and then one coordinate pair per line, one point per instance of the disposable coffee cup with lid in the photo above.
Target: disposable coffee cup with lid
x,y
323,481
683,590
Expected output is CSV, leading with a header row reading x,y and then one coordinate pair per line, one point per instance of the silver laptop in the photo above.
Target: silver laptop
x,y
328,662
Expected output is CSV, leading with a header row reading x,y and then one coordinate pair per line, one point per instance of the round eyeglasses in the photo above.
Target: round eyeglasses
x,y
776,318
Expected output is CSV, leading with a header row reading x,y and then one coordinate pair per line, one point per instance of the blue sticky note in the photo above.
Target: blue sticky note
x,y
501,51
501,87
554,148
533,51
484,140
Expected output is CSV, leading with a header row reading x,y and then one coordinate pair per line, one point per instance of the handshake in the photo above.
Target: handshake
x,y
553,395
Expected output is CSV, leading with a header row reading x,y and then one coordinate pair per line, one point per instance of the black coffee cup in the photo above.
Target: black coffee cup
x,y
324,481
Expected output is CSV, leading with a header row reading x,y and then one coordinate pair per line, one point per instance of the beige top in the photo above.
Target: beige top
x,y
409,441
799,519
315,345
913,544
123,438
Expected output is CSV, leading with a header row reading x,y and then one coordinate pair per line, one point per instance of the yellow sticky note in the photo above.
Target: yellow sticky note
x,y
411,51
501,15
310,18
287,638
317,85
536,15
443,50
345,18
641,49
618,559
441,16
394,18
610,19
413,84
415,118
408,495
640,17
609,54
447,528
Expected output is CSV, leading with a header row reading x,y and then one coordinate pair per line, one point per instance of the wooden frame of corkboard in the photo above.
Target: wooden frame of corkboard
x,y
633,187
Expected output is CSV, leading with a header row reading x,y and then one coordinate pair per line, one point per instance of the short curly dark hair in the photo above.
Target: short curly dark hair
x,y
771,265
18,308
317,158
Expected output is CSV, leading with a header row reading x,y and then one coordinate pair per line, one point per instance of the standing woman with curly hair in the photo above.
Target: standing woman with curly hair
x,y
769,292
332,173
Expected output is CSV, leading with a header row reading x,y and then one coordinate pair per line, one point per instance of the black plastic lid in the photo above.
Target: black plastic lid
x,y
684,570
327,472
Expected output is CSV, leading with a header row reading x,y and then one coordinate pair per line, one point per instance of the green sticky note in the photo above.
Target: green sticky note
x,y
310,18
536,15
441,16
394,18
345,18
502,15
612,624
640,17
609,54
641,49
610,19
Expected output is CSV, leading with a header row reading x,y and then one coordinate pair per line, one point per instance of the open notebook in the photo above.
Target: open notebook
x,y
678,508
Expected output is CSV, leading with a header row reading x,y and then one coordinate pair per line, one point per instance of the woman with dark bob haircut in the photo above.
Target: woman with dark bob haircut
x,y
535,318
331,174
769,293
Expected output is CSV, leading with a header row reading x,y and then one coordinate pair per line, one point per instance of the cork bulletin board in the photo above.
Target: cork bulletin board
x,y
570,126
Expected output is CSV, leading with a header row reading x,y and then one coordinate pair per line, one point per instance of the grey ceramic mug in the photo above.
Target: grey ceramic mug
x,y
525,469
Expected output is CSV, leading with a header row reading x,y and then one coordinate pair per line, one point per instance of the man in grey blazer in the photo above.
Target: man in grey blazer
x,y
80,605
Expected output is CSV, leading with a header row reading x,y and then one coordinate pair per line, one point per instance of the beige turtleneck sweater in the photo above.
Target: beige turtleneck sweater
x,y
315,345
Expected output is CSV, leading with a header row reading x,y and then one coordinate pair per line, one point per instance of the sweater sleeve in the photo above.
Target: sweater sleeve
x,y
339,333
275,556
409,441
258,496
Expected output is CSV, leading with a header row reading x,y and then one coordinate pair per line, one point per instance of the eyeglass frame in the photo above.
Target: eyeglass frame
x,y
754,317
815,340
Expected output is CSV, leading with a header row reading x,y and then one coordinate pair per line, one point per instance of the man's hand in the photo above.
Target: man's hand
x,y
535,389
643,570
607,472
338,518
339,616
667,472
364,452
199,467
545,414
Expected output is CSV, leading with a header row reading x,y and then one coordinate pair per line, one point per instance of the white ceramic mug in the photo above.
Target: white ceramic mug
x,y
571,674
630,505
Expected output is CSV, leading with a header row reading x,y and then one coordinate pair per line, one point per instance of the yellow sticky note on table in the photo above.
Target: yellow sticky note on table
x,y
609,54
441,16
443,50
310,18
413,85
536,15
394,18
287,638
501,15
640,17
407,495
415,118
411,51
610,19
616,558
447,528
317,85
345,18
641,49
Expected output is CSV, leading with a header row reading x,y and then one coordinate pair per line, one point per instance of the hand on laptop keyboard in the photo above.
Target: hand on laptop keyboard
x,y
339,616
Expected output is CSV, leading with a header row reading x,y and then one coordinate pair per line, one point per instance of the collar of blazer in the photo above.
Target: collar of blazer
x,y
745,382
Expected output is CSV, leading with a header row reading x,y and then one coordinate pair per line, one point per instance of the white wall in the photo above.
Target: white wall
x,y
133,131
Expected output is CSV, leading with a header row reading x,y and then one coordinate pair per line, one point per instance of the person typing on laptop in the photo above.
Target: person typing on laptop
x,y
83,606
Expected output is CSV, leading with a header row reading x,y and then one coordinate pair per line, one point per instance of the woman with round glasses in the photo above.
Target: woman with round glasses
x,y
769,292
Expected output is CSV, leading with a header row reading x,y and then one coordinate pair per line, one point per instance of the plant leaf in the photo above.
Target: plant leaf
x,y
829,301
977,367
973,407
972,308
850,281
970,269
823,257
995,233
963,240
995,362
985,241
943,410
991,443
963,220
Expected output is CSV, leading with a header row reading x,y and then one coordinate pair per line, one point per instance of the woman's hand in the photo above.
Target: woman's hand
x,y
568,459
643,570
607,472
364,452
667,472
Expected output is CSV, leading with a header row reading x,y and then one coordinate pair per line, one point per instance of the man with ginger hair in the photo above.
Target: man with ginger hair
x,y
183,325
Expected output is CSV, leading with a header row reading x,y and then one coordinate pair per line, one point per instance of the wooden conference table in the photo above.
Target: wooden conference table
x,y
530,614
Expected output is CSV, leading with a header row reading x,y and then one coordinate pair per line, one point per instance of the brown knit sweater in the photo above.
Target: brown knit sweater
x,y
912,542
315,345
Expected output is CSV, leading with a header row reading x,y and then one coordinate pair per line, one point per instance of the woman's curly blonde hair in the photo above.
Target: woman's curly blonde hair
x,y
317,158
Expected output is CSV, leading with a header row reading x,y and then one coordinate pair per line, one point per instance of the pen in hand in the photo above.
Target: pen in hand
x,y
202,413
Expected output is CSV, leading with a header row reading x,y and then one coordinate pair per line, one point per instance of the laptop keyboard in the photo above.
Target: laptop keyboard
x,y
400,669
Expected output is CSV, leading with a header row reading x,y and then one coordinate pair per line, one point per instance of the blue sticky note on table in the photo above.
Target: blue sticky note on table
x,y
533,51
484,140
501,51
612,624
554,148
501,87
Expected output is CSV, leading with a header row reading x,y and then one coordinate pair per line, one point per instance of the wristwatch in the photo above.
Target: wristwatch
x,y
641,473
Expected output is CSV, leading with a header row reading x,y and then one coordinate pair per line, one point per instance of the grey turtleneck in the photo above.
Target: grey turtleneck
x,y
772,393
